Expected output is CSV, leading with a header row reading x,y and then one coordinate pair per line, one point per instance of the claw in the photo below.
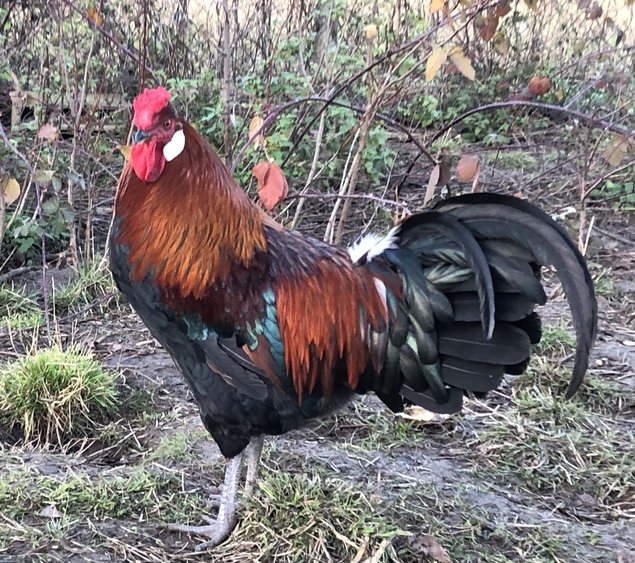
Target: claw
x,y
216,530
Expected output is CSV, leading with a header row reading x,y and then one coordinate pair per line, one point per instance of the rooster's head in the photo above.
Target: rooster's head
x,y
159,137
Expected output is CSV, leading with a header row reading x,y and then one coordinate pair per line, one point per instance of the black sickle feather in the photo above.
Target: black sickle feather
x,y
491,214
458,233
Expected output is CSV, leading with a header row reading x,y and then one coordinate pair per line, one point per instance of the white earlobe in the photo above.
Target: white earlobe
x,y
175,147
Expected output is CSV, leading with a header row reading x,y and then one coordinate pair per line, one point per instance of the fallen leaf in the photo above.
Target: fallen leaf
x,y
125,150
435,62
462,63
539,85
432,184
467,167
50,512
418,414
49,132
255,126
430,546
272,185
616,150
10,190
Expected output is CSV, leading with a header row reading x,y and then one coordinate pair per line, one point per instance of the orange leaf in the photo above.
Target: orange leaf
x,y
436,5
272,185
467,167
93,15
48,131
539,85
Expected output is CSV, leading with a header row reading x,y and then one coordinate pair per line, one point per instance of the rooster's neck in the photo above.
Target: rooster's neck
x,y
190,227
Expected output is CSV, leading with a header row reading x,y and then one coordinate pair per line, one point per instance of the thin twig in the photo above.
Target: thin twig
x,y
590,120
110,38
15,273
367,197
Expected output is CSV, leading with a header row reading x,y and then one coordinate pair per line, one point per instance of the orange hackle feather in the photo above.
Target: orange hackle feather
x,y
191,226
324,317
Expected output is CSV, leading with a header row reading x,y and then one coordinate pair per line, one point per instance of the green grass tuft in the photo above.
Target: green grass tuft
x,y
559,446
52,395
17,310
88,283
312,518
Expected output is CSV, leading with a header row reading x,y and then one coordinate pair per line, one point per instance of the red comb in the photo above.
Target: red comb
x,y
147,104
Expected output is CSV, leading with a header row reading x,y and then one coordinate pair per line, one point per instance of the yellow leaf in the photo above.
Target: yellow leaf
x,y
371,31
436,5
462,63
435,62
254,130
432,184
616,150
49,132
500,43
125,151
10,190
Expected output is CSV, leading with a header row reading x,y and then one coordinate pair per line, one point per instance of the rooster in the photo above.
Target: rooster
x,y
272,328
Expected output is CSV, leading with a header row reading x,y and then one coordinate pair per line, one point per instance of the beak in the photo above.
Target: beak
x,y
140,135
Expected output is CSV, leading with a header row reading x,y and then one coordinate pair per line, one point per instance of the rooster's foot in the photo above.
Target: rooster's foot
x,y
216,530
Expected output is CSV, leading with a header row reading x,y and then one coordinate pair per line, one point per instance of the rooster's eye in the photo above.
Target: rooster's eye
x,y
167,124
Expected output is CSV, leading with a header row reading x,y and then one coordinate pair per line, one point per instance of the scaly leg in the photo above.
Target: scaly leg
x,y
218,529
252,454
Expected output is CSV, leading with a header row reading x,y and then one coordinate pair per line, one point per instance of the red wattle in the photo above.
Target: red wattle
x,y
147,160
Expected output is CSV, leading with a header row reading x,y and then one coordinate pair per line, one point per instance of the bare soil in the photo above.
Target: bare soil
x,y
424,478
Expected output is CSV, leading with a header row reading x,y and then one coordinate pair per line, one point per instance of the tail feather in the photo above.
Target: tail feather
x,y
494,216
509,306
479,377
472,252
470,273
508,345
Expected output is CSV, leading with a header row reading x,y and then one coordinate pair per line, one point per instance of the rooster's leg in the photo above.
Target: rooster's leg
x,y
218,529
252,454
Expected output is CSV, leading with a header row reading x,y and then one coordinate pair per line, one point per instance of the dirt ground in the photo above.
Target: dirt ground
x,y
500,482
